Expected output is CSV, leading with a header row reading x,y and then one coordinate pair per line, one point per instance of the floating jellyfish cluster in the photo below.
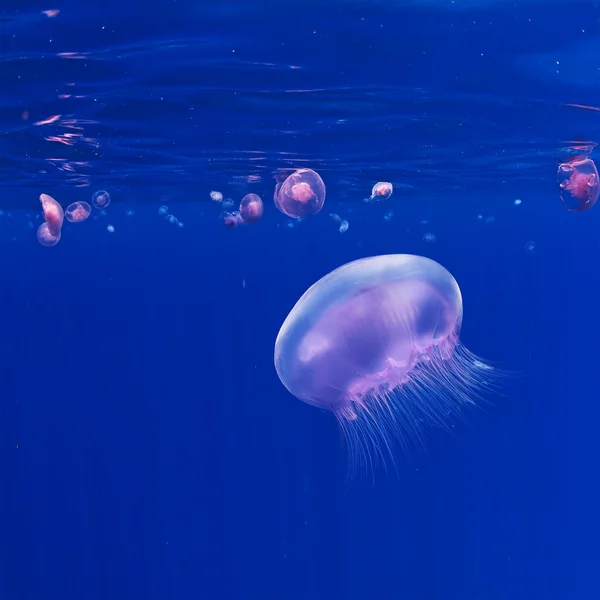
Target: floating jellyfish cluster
x,y
250,211
50,231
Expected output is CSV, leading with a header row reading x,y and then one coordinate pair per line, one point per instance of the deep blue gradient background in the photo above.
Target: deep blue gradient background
x,y
147,447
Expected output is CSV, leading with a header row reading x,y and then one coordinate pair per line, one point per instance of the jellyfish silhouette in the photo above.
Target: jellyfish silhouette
x,y
376,342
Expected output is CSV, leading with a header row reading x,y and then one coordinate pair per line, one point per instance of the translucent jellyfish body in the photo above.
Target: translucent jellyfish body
x,y
301,194
251,208
78,212
53,214
382,190
46,237
231,219
101,199
578,184
376,342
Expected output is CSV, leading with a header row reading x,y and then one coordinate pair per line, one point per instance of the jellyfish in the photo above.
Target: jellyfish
x,y
101,199
251,208
231,219
578,184
78,212
382,190
301,194
46,237
376,342
53,214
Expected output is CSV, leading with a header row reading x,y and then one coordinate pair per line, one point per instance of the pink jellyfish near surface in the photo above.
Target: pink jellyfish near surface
x,y
578,184
78,212
231,219
376,342
301,194
251,208
46,237
101,199
53,214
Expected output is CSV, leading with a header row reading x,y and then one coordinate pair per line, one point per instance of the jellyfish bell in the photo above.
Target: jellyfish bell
x,y
376,342
53,214
251,208
301,194
101,199
46,237
78,212
231,219
578,184
382,190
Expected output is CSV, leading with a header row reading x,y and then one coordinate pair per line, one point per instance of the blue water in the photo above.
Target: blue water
x,y
148,448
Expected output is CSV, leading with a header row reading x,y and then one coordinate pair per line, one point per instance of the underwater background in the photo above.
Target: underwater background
x,y
148,449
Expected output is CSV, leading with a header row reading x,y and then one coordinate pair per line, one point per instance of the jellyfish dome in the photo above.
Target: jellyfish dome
x,y
376,342
302,194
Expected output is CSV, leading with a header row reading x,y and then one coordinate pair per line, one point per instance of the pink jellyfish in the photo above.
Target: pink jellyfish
x,y
376,342
382,190
231,219
53,214
101,199
301,194
45,237
78,212
251,208
578,184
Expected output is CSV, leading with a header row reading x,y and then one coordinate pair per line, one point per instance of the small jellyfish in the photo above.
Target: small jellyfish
x,y
163,210
53,214
429,238
343,225
231,219
228,204
578,184
376,342
301,194
46,237
530,247
216,196
101,199
78,212
110,228
173,220
518,202
381,191
251,208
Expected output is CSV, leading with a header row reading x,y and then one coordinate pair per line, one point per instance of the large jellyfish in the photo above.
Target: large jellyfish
x,y
376,342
